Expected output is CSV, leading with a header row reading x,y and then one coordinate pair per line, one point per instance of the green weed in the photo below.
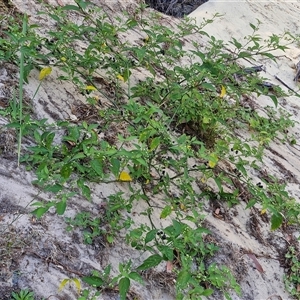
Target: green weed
x,y
23,295
176,130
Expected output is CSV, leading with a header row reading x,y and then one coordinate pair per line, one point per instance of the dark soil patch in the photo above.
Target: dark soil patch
x,y
175,8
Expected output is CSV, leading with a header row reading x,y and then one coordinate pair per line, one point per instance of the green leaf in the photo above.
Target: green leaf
x,y
61,207
55,188
154,143
166,211
274,98
124,285
150,235
276,221
66,171
83,4
150,262
251,203
93,280
71,7
208,86
244,54
252,26
96,165
115,166
78,156
27,70
167,252
86,192
269,55
237,44
40,211
207,292
136,276
183,278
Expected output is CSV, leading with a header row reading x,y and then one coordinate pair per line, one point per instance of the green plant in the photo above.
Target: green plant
x,y
292,279
23,295
121,282
172,135
90,225
89,295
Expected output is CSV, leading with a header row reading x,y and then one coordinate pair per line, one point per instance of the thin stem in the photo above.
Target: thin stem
x,y
21,80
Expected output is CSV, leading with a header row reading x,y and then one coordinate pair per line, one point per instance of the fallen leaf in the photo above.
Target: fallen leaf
x,y
124,176
45,72
169,267
59,2
223,92
256,263
213,160
90,88
263,211
120,77
182,207
63,283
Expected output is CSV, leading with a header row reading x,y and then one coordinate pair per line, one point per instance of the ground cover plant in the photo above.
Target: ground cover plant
x,y
188,131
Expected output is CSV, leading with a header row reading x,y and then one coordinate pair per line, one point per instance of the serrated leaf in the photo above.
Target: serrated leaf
x,y
115,166
223,91
93,280
154,143
136,276
63,283
124,285
166,211
150,236
45,72
167,252
276,221
150,262
183,278
79,155
96,165
86,191
77,284
124,176
66,171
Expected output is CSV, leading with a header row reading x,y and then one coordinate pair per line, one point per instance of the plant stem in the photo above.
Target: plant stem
x,y
21,80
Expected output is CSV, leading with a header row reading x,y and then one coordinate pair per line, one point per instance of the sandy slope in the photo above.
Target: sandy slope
x,y
55,254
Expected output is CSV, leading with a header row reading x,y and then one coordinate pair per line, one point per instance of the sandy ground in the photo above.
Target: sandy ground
x,y
39,254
